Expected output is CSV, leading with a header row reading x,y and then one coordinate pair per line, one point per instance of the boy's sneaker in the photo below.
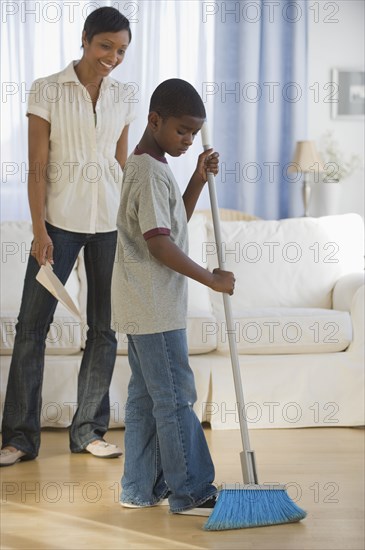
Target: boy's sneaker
x,y
163,502
204,509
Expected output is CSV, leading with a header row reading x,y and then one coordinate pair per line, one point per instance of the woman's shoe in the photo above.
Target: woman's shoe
x,y
9,457
102,449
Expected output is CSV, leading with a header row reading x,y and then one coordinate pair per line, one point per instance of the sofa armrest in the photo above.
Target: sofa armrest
x,y
345,290
358,322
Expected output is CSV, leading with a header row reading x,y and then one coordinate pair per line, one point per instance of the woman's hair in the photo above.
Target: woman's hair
x,y
105,19
176,98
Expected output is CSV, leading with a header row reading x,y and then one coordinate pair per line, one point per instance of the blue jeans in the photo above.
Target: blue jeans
x,y
21,420
165,446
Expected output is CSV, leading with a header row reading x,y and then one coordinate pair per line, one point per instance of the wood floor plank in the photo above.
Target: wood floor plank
x,y
67,501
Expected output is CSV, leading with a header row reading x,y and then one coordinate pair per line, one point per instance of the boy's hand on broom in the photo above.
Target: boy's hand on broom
x,y
223,281
208,161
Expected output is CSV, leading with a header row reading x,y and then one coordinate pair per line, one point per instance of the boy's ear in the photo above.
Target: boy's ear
x,y
154,120
84,39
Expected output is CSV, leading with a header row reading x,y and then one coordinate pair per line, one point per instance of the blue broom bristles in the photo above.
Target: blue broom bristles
x,y
240,508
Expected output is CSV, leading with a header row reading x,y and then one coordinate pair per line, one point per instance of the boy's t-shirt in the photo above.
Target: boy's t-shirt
x,y
147,296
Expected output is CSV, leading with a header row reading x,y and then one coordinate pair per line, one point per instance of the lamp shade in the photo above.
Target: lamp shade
x,y
306,158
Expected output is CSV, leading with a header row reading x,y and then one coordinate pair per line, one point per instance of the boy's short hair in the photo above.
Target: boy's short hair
x,y
105,19
176,98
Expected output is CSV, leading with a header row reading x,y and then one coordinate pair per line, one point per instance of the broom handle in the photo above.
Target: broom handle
x,y
248,464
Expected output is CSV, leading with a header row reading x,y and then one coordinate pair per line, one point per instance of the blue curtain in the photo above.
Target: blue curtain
x,y
260,104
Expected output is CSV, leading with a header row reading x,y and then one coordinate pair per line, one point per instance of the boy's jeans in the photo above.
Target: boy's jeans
x,y
21,421
165,446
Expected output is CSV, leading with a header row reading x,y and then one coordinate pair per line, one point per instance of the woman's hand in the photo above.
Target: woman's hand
x,y
42,248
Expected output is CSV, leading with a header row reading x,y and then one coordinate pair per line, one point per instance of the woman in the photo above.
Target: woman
x,y
78,139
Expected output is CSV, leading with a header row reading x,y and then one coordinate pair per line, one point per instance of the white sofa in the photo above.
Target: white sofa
x,y
299,320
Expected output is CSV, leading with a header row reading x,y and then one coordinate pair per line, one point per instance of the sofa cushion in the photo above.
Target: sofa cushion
x,y
198,294
288,263
198,339
64,336
285,330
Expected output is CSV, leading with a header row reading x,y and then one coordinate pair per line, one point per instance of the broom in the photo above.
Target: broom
x,y
248,504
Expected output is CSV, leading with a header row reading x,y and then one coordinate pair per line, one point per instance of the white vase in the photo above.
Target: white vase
x,y
326,198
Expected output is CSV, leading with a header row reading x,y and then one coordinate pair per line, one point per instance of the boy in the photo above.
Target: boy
x,y
165,446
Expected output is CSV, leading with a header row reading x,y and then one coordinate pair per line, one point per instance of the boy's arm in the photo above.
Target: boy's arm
x,y
207,161
166,252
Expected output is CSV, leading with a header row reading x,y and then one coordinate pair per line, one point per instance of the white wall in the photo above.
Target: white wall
x,y
336,40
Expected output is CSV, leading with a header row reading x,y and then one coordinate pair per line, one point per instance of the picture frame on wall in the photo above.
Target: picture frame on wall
x,y
348,99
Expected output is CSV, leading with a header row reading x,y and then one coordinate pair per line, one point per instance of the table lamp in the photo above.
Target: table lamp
x,y
306,159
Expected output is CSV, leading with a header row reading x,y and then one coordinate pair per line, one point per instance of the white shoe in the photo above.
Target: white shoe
x,y
162,502
8,458
102,449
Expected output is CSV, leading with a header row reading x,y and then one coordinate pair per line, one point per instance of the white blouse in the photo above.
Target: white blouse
x,y
83,176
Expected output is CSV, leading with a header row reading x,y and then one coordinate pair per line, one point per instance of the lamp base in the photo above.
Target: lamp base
x,y
306,194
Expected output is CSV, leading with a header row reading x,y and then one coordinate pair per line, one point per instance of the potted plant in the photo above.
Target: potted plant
x,y
336,165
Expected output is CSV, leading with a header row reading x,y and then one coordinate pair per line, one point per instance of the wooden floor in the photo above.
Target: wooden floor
x,y
67,501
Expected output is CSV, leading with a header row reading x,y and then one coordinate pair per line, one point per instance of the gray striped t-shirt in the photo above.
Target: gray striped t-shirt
x,y
147,296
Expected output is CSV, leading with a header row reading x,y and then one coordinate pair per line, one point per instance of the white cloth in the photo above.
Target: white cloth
x,y
83,176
